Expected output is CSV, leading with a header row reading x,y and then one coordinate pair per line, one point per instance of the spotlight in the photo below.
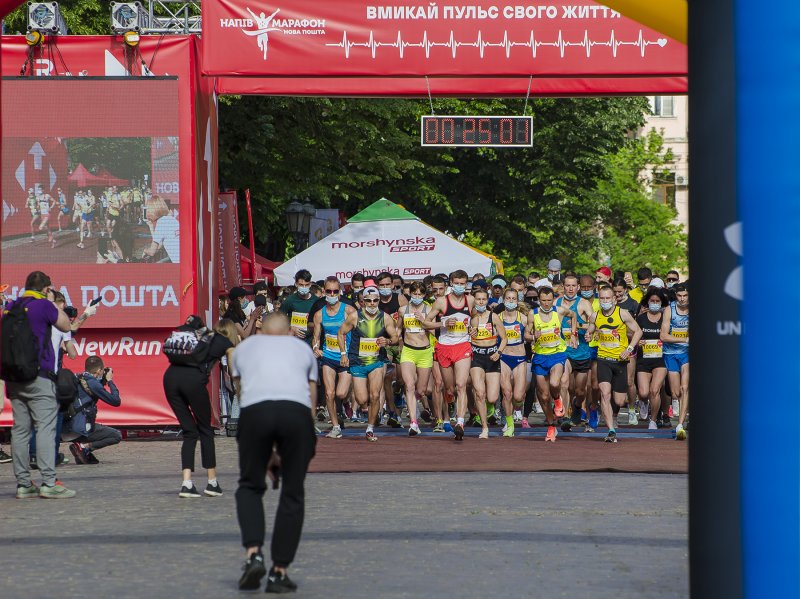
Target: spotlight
x,y
45,17
34,38
131,38
128,16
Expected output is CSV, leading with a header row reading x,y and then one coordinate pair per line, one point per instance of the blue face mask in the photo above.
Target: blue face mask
x,y
459,289
331,299
480,308
511,305
245,303
385,292
606,305
304,290
654,308
417,300
587,294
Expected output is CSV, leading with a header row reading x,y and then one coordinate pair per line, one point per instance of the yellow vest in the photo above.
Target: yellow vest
x,y
551,341
636,294
612,335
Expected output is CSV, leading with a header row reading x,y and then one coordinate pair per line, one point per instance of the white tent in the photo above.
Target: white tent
x,y
385,237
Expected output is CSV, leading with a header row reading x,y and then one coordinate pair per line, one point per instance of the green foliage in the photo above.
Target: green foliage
x,y
124,157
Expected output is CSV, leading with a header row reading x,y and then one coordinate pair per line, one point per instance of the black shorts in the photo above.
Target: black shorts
x,y
481,358
580,365
335,366
616,373
648,365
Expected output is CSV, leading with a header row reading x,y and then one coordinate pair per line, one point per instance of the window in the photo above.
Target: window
x,y
664,106
664,188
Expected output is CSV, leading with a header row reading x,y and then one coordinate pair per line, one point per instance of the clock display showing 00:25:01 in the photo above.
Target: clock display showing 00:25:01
x,y
477,131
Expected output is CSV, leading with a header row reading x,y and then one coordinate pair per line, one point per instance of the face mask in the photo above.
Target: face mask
x,y
480,309
304,290
654,308
416,300
371,310
245,303
669,285
570,298
511,305
550,276
331,299
521,296
385,292
587,294
606,305
459,289
543,311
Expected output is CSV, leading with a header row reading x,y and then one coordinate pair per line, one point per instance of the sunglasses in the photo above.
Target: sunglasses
x,y
331,292
371,301
672,280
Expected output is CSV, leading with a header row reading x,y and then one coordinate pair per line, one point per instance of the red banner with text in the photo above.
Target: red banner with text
x,y
393,38
229,268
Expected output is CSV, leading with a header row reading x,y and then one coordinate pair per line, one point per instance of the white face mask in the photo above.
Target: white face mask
x,y
606,305
304,290
371,310
480,308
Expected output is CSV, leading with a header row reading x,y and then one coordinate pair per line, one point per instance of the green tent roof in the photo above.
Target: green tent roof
x,y
383,209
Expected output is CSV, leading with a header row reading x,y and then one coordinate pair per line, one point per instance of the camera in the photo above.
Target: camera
x,y
71,311
104,380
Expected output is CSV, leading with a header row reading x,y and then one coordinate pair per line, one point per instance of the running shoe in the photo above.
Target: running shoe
x,y
4,457
594,419
632,419
189,492
254,571
517,416
509,431
213,490
55,492
551,434
448,428
652,426
439,428
335,433
525,423
371,436
537,408
322,414
644,410
611,437
674,409
393,422
665,422
29,492
566,425
413,430
279,583
79,452
558,407
680,433
475,420
492,420
458,432
425,414
484,434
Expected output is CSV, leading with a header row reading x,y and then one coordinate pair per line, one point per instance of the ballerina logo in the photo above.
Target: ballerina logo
x,y
734,284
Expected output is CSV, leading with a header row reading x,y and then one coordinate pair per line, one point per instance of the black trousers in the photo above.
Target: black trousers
x,y
288,425
187,395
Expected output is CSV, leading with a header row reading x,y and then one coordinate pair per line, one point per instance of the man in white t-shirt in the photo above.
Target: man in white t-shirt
x,y
167,235
278,399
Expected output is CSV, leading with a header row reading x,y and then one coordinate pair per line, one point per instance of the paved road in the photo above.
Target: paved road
x,y
366,535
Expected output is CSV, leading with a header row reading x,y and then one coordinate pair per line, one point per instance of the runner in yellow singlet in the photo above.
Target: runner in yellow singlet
x,y
416,356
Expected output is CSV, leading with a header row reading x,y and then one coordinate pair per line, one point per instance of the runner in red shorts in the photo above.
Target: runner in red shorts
x,y
454,350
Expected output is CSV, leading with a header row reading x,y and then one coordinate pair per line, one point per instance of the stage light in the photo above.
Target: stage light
x,y
128,16
45,17
34,38
131,38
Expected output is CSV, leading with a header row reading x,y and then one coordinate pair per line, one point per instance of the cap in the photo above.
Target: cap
x,y
604,270
498,282
195,322
480,283
657,283
237,292
542,283
554,264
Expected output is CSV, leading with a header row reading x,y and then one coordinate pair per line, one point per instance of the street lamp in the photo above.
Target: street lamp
x,y
298,218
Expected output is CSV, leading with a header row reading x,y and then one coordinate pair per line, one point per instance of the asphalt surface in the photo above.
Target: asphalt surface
x,y
465,534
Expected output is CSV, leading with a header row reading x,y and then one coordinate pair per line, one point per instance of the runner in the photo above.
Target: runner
x,y
650,368
575,382
416,357
327,322
513,377
675,335
298,305
46,204
589,294
390,304
645,277
372,331
626,302
63,209
440,406
550,354
32,204
454,351
486,329
612,325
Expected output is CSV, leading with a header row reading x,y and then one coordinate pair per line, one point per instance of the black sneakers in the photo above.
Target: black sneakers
x,y
279,583
213,491
254,571
189,492
4,457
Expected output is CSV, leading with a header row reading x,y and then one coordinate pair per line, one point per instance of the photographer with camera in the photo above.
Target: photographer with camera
x,y
96,384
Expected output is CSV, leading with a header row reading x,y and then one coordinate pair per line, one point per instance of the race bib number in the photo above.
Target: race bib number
x,y
483,332
300,320
567,333
332,342
368,347
456,326
680,333
411,324
549,338
513,333
609,338
652,349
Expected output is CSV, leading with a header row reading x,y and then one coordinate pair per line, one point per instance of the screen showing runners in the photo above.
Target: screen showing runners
x,y
91,193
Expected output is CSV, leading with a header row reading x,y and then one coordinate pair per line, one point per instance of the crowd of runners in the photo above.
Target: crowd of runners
x,y
464,350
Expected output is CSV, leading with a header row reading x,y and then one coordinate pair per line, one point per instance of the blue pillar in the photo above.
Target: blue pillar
x,y
767,40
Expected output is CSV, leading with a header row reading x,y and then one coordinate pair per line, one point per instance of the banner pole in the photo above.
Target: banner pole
x,y
250,231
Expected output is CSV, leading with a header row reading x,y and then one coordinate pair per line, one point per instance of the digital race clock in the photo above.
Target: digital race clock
x,y
477,131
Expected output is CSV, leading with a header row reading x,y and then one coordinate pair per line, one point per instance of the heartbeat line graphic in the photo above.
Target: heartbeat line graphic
x,y
534,44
